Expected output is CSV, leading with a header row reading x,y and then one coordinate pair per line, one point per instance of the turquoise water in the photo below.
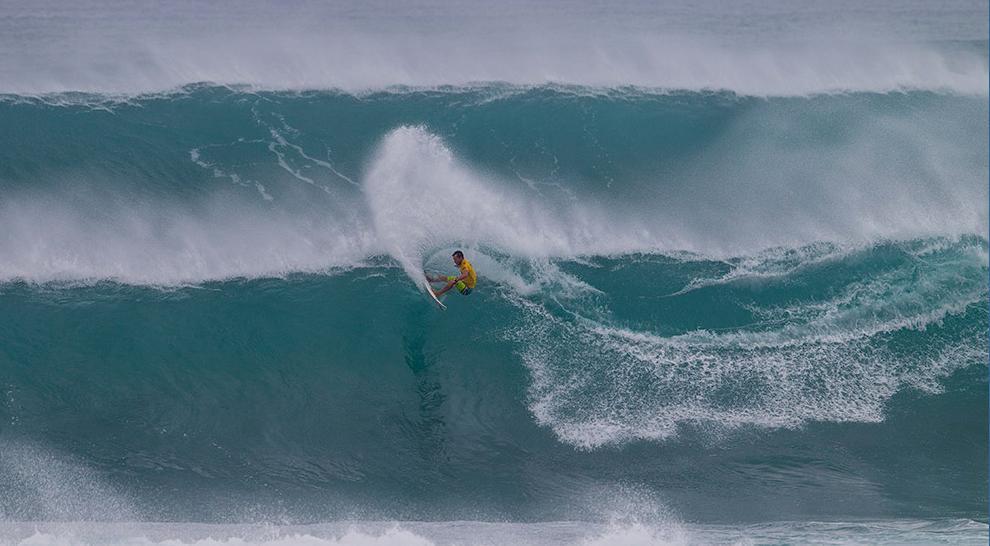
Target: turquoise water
x,y
720,307
209,346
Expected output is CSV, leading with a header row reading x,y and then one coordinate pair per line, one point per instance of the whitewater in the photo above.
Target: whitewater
x,y
732,266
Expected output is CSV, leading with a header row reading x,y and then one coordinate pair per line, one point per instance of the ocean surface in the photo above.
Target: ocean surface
x,y
732,259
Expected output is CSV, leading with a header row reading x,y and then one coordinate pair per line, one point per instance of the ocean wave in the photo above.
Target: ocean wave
x,y
274,184
732,268
307,388
828,357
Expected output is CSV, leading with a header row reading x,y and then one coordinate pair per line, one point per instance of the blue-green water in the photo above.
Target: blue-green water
x,y
711,311
211,346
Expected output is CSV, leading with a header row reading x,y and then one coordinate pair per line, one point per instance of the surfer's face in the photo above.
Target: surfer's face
x,y
457,260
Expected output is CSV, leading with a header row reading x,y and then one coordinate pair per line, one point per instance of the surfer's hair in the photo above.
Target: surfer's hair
x,y
458,253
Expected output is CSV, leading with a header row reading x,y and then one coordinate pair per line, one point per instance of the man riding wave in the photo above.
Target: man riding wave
x,y
464,282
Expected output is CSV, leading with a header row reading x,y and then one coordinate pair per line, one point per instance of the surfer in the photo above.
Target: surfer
x,y
464,282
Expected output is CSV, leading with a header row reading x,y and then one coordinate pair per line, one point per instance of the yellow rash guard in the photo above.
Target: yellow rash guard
x,y
472,277
467,285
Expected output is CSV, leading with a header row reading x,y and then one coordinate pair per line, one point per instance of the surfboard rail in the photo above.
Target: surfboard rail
x,y
429,290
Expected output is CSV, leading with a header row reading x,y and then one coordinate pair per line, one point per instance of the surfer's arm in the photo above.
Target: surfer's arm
x,y
450,284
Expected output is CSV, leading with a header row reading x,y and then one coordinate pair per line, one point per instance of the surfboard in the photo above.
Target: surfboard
x,y
429,290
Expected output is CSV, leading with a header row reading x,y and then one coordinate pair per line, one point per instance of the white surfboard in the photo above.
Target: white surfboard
x,y
429,290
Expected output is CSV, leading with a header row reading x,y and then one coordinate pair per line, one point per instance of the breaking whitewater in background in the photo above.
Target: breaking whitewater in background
x,y
733,274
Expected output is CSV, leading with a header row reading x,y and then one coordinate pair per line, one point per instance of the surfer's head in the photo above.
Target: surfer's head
x,y
458,257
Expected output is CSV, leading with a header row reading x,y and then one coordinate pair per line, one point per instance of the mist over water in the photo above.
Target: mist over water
x,y
759,48
732,270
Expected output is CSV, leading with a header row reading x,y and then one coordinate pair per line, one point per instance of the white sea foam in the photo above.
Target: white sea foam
x,y
595,384
37,482
195,155
477,533
421,197
67,238
223,537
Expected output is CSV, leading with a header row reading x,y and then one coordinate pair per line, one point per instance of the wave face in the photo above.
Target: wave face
x,y
211,183
692,305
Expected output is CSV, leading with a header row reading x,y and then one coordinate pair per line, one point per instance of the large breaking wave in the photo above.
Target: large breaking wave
x,y
213,300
